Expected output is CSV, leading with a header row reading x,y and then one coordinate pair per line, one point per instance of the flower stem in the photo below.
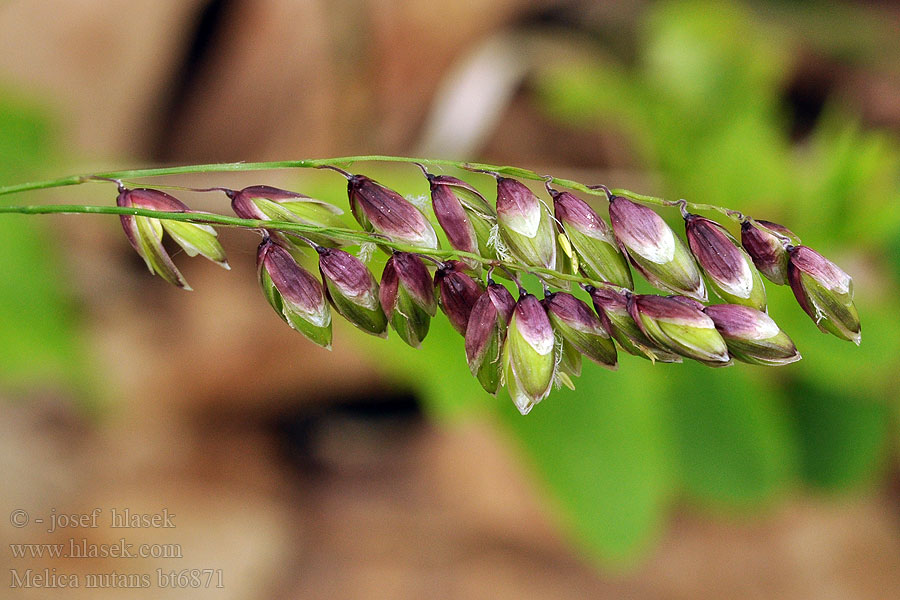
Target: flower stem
x,y
350,235
347,161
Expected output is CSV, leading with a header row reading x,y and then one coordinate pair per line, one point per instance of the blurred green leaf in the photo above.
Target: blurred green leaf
x,y
733,437
438,371
843,438
39,343
702,104
603,452
854,183
710,59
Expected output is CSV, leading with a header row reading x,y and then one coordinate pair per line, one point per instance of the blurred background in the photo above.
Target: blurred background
x,y
379,471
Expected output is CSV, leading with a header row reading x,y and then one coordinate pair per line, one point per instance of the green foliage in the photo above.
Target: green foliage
x,y
438,371
701,107
39,346
604,454
841,436
604,458
732,438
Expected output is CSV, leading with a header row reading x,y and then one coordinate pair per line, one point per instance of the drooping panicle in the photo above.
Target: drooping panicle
x,y
529,361
654,249
765,242
580,328
464,215
612,308
599,256
267,203
352,290
679,328
486,333
457,293
384,211
529,345
730,270
294,293
825,292
525,225
145,234
752,336
407,297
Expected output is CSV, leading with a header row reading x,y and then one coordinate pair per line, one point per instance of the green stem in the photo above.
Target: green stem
x,y
346,161
350,235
